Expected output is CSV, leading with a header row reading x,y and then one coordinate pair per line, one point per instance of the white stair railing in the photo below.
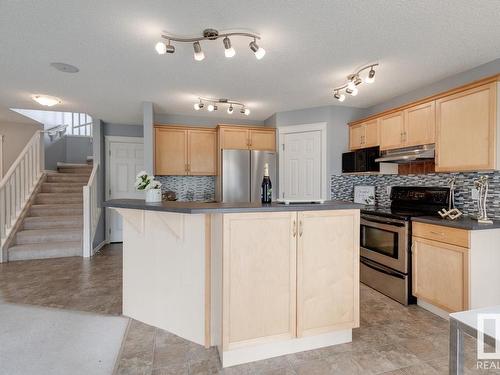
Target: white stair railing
x,y
18,184
91,212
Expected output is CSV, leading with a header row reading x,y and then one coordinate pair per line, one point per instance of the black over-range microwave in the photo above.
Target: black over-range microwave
x,y
361,160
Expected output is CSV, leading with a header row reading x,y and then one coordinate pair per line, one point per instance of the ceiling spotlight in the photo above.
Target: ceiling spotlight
x,y
170,48
259,51
351,85
211,107
161,48
198,106
352,92
46,100
244,111
198,53
339,97
230,109
371,76
228,49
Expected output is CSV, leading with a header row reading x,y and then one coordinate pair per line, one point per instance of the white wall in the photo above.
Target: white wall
x,y
16,136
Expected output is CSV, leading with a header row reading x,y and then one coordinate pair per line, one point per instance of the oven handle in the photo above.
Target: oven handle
x,y
383,270
383,222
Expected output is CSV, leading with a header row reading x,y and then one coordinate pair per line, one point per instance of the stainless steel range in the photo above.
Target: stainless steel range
x,y
386,238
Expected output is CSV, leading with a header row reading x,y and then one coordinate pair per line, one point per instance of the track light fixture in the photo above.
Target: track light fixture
x,y
212,105
210,34
353,81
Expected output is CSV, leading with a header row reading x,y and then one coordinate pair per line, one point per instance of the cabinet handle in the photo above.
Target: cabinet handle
x,y
185,167
437,233
300,228
294,228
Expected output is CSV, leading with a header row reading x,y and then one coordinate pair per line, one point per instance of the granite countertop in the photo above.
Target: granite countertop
x,y
464,222
212,208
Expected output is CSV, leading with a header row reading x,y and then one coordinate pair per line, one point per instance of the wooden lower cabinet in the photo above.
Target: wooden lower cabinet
x,y
287,275
259,278
441,274
327,272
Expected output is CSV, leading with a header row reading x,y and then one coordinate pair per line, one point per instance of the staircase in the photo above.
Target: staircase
x,y
53,227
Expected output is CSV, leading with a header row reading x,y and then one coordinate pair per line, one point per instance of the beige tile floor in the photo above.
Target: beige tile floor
x,y
392,339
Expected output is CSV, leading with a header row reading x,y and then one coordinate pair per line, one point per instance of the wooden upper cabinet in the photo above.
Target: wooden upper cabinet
x,y
245,138
202,152
170,151
466,130
371,138
356,133
364,135
185,151
264,140
234,138
420,124
392,131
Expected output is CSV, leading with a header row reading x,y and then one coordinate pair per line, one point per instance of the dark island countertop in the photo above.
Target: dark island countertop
x,y
213,208
464,222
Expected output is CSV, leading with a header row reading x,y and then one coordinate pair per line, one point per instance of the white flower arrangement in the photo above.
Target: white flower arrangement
x,y
143,181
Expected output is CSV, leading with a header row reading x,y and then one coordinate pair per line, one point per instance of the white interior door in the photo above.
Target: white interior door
x,y
125,160
302,166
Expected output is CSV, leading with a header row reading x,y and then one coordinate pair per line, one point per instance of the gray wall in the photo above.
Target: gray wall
x,y
207,121
68,149
147,123
122,130
448,83
16,136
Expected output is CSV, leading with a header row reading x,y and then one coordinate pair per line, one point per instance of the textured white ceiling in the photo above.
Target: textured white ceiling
x,y
311,46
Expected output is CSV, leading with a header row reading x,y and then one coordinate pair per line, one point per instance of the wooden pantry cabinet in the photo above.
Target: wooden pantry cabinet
x,y
185,151
288,275
364,135
238,137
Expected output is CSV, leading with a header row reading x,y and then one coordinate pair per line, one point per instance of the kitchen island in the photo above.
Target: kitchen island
x,y
257,281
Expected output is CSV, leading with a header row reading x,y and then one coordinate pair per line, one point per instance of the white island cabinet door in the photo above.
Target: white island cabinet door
x,y
327,271
259,278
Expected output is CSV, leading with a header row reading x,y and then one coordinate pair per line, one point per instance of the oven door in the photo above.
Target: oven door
x,y
385,241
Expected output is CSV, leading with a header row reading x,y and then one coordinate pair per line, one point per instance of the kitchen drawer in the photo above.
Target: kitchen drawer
x,y
453,236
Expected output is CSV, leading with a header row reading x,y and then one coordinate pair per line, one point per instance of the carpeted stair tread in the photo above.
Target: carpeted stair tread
x,y
45,250
58,198
71,209
42,222
37,236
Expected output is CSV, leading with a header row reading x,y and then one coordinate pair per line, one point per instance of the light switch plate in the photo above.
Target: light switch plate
x,y
474,193
388,189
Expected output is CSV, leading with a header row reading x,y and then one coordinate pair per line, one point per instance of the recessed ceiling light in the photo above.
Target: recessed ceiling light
x,y
65,68
46,100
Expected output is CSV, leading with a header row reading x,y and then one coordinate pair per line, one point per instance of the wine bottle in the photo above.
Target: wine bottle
x,y
266,187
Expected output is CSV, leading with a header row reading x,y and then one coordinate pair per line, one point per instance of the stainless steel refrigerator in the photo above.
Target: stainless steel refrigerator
x,y
242,173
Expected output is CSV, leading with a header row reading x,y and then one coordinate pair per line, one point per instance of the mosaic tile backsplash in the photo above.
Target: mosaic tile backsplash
x,y
342,188
189,188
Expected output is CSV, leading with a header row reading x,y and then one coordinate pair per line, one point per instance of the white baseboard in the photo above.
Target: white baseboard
x,y
434,309
276,349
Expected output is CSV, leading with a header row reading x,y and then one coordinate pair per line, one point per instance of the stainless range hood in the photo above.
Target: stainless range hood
x,y
408,154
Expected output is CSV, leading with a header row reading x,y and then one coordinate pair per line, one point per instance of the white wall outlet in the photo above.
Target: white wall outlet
x,y
388,189
474,193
